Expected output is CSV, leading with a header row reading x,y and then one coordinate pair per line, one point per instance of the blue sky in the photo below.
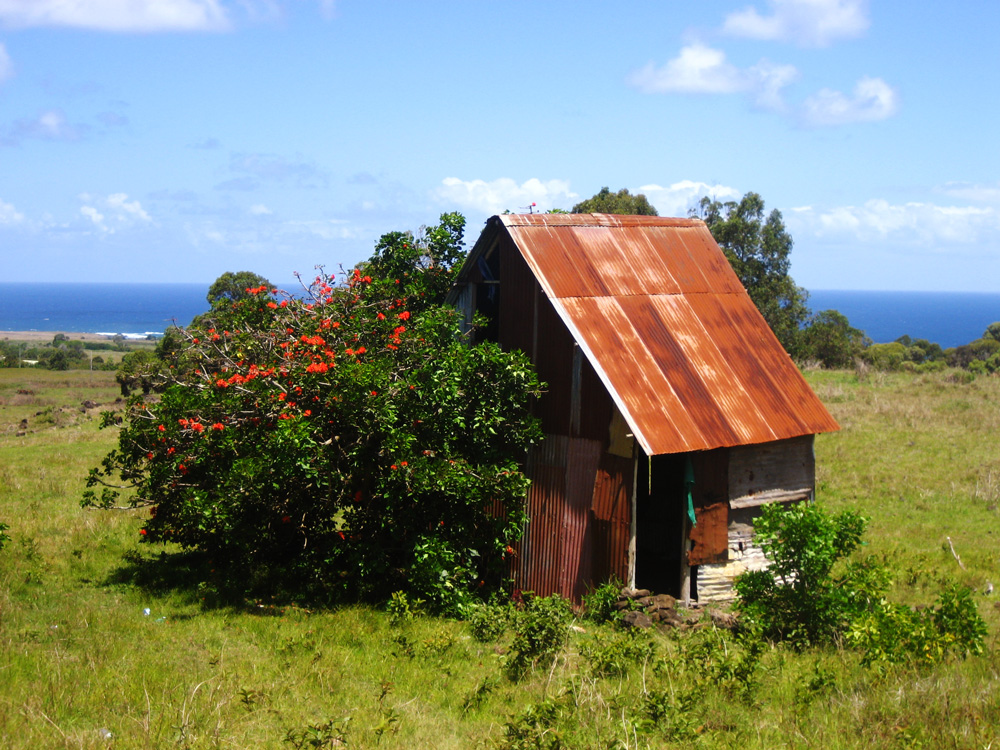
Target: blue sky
x,y
173,140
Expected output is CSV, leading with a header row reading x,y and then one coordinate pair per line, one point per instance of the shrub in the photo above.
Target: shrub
x,y
800,598
347,442
796,598
894,633
488,622
612,654
599,604
540,631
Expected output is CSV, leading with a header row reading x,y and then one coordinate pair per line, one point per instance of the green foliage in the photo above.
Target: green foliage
x,y
885,357
4,538
348,443
538,727
599,604
758,250
801,599
402,608
894,633
327,734
797,598
984,350
540,632
829,338
622,202
234,286
424,265
613,653
489,622
140,371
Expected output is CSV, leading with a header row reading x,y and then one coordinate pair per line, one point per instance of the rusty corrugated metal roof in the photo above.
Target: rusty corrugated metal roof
x,y
668,327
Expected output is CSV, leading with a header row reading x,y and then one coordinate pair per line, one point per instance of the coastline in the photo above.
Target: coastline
x,y
45,337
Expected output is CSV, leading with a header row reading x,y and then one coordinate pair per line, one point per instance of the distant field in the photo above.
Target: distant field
x,y
81,659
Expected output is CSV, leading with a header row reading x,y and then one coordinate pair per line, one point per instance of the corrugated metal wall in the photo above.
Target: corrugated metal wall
x,y
579,504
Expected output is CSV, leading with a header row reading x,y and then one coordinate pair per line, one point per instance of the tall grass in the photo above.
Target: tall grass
x,y
80,658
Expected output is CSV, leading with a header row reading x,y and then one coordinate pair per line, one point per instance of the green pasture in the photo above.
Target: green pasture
x,y
101,649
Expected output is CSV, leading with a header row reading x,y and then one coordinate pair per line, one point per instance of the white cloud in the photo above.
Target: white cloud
x,y
700,69
808,23
119,211
505,194
260,209
9,215
96,217
119,202
116,15
972,192
6,65
873,99
908,223
677,198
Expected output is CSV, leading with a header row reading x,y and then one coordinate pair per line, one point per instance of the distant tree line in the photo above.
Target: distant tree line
x,y
62,353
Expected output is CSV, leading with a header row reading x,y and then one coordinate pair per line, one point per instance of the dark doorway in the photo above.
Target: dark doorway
x,y
659,508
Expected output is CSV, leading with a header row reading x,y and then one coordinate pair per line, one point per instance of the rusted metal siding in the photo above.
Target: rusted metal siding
x,y
710,534
579,508
669,330
612,518
639,327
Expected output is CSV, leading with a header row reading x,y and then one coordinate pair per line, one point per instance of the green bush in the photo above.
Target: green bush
x,y
800,598
347,443
488,622
612,654
599,604
886,357
540,632
893,633
797,598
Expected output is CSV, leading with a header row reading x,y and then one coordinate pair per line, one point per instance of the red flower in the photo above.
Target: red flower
x,y
380,316
149,456
405,315
402,463
218,427
142,532
286,519
161,428
374,393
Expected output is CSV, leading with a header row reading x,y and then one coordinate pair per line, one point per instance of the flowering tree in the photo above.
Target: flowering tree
x,y
347,437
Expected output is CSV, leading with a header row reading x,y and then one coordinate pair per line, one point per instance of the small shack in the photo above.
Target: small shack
x,y
671,413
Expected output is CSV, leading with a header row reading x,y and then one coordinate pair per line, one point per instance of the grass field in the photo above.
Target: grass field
x,y
93,655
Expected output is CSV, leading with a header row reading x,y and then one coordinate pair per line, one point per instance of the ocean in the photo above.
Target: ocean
x,y
129,309
948,318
